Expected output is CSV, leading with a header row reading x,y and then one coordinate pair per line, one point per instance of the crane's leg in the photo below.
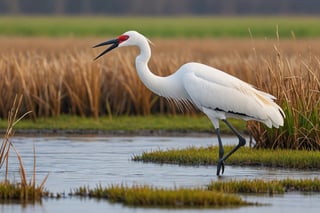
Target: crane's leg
x,y
242,141
221,153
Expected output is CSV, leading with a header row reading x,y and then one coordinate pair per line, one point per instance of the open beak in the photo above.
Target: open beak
x,y
114,42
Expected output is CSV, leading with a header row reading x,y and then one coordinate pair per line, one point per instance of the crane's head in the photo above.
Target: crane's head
x,y
129,38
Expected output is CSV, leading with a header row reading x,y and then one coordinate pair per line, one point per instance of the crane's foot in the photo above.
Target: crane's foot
x,y
220,166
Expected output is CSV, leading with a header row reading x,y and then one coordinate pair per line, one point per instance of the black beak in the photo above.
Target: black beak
x,y
114,42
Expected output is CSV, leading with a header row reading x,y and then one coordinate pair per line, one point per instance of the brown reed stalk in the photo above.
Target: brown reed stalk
x,y
5,146
23,176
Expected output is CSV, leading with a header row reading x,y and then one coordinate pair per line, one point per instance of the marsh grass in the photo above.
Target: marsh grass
x,y
148,196
296,83
58,76
218,194
266,186
295,159
23,190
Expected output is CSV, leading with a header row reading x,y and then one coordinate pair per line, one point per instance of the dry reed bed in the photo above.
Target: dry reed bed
x,y
59,76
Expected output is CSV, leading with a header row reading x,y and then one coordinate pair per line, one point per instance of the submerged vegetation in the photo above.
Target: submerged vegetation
x,y
296,159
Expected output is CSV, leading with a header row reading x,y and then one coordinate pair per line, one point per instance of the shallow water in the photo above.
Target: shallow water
x,y
77,161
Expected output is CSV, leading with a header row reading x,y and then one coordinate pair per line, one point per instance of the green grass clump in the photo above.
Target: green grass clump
x,y
18,192
266,186
148,196
297,159
303,185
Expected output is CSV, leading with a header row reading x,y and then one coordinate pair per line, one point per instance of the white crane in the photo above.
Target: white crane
x,y
214,92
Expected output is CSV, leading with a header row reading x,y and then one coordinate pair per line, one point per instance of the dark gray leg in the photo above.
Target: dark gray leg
x,y
242,140
221,153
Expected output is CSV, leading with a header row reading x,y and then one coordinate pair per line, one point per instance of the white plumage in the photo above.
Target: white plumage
x,y
228,96
216,93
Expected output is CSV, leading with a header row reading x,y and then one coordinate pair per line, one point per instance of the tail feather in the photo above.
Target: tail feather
x,y
274,113
275,116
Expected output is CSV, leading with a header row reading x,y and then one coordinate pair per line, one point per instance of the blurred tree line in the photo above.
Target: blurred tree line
x,y
160,7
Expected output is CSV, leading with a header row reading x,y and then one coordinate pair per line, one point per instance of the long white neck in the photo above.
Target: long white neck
x,y
157,84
